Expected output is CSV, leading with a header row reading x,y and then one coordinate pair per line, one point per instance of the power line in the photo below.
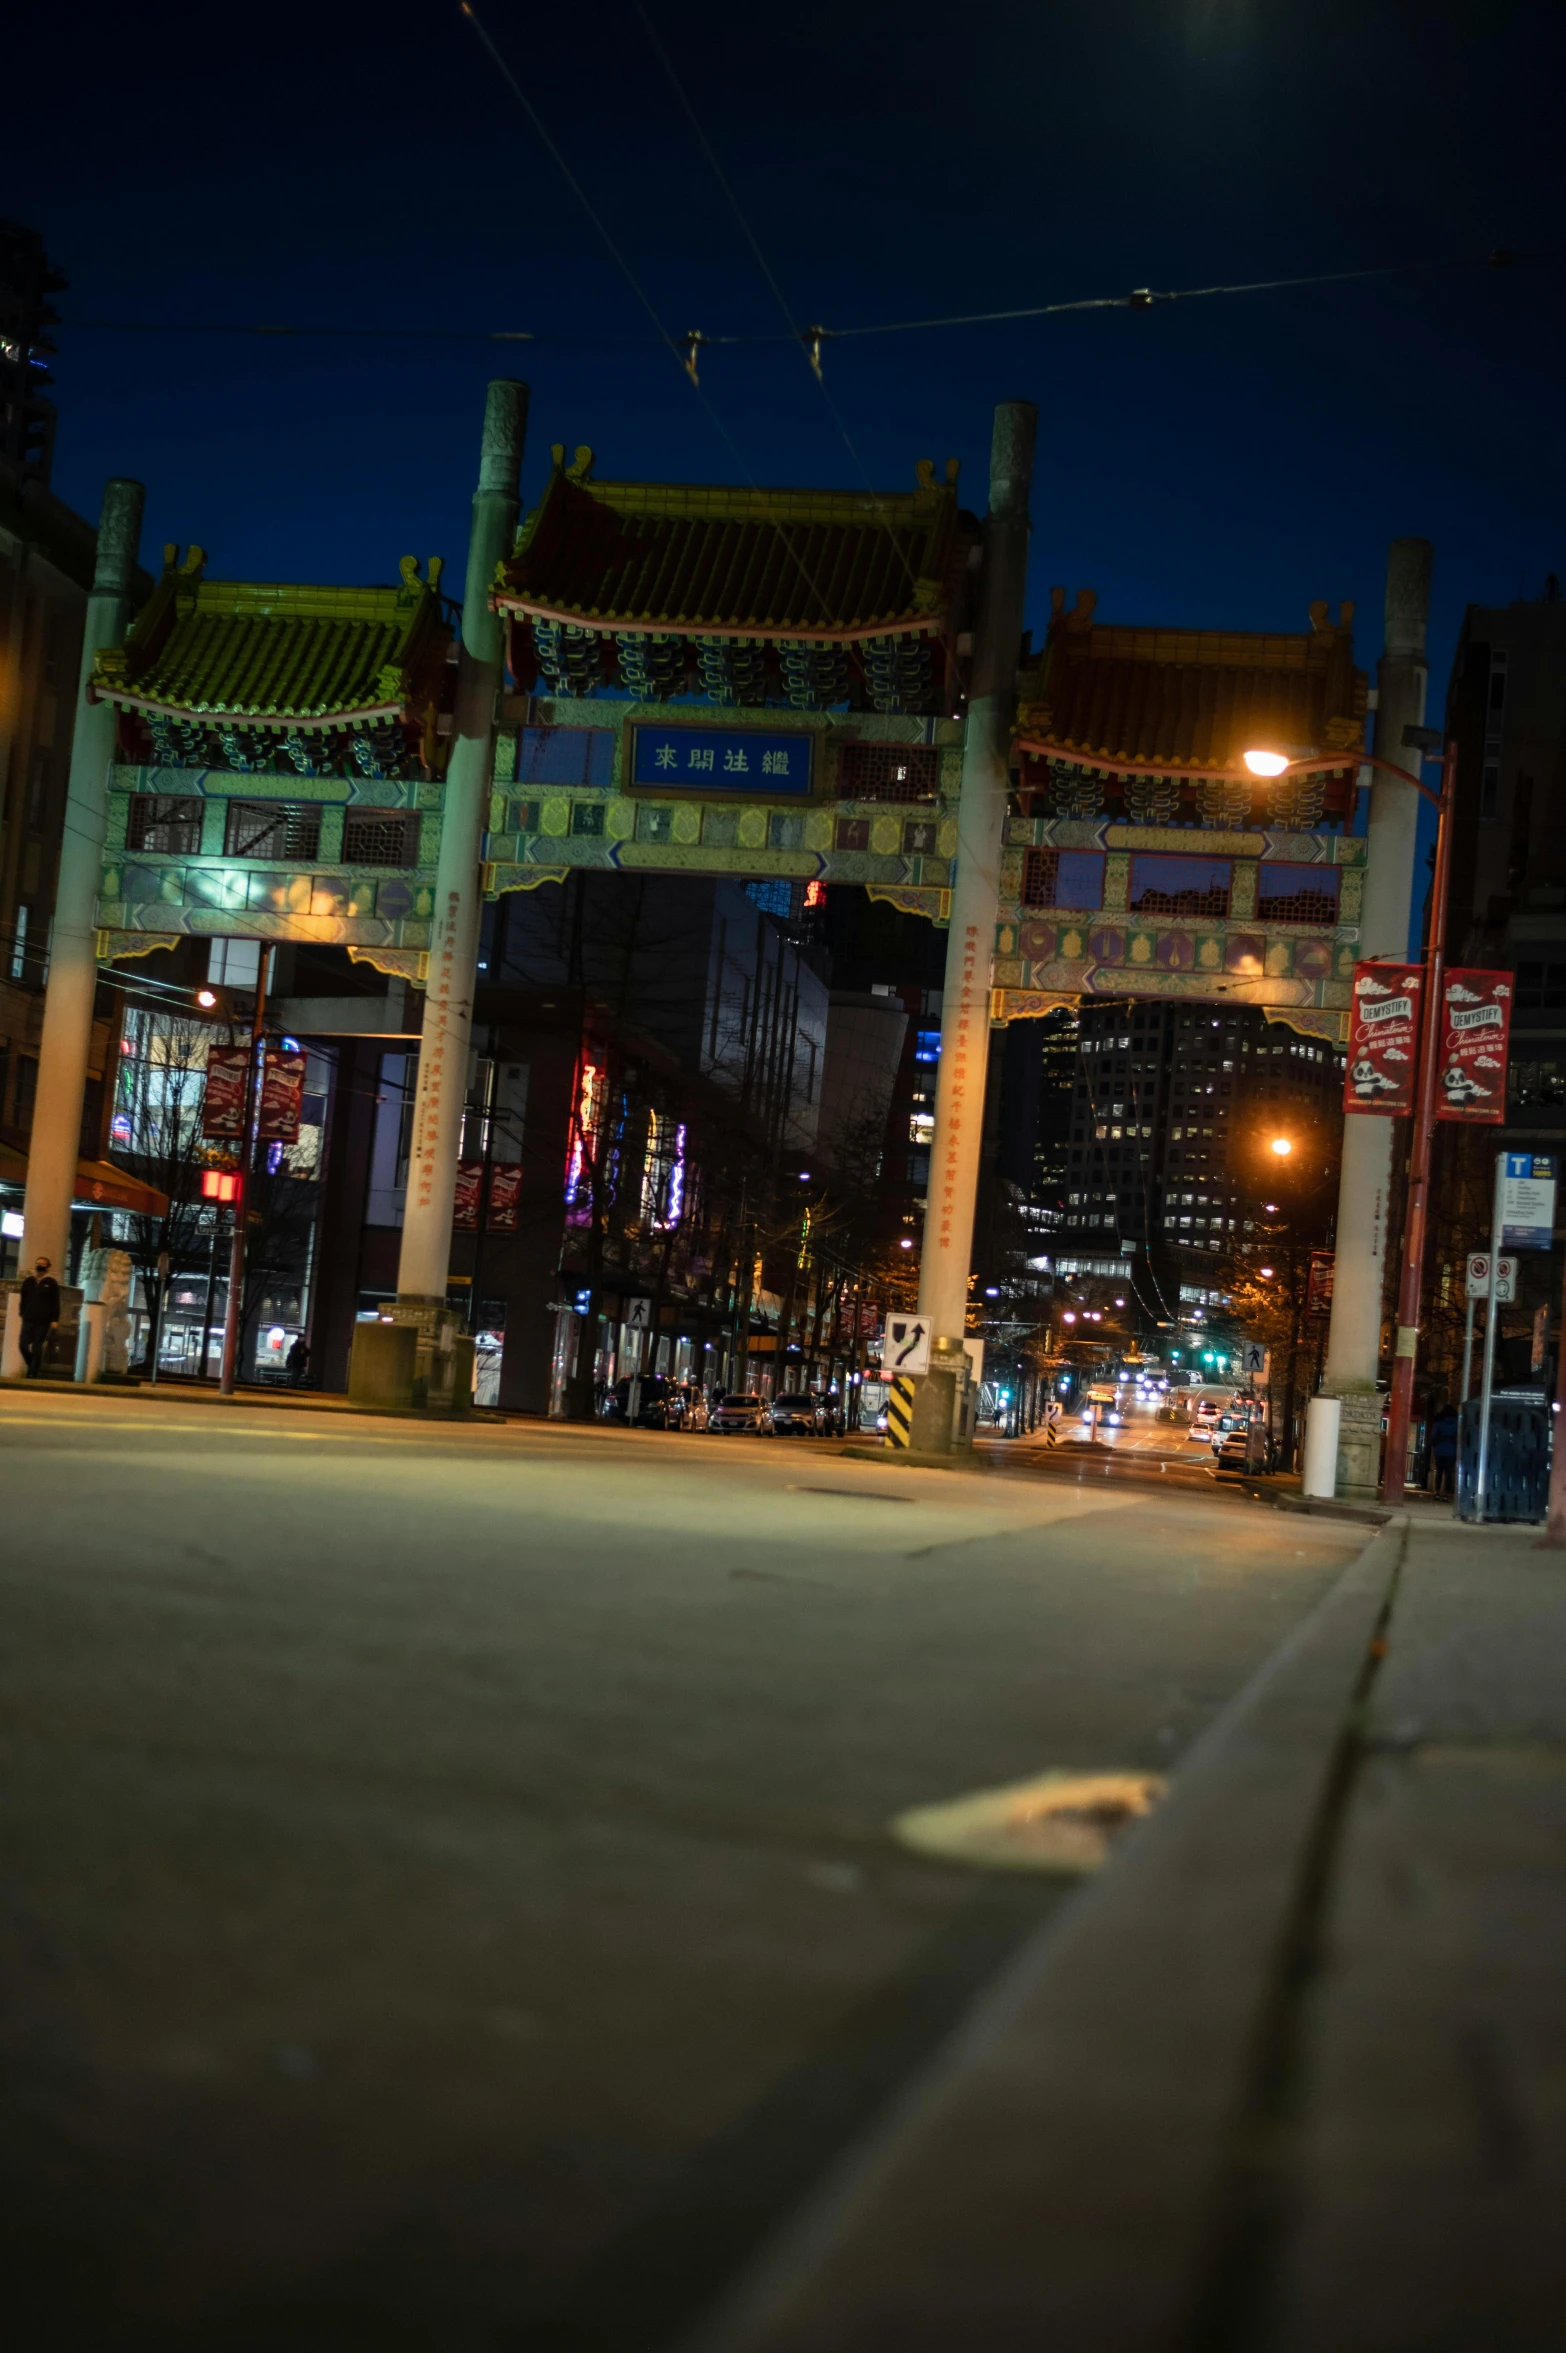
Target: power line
x,y
1139,298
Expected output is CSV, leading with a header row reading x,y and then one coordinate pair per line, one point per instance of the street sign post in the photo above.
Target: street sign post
x,y
1525,1201
1523,1218
1479,1277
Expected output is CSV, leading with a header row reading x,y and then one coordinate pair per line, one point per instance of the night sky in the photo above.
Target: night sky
x,y
1220,464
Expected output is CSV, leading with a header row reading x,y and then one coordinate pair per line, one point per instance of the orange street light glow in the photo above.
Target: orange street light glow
x,y
1262,763
1282,1146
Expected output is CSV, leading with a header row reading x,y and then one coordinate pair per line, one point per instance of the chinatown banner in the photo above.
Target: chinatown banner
x,y
465,1202
1318,1283
1476,1018
1383,1042
505,1197
282,1096
226,1099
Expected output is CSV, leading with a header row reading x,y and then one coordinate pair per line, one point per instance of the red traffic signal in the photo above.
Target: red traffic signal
x,y
219,1184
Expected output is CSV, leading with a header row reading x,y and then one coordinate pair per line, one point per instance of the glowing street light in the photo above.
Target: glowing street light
x,y
1264,763
1264,1270
1281,1146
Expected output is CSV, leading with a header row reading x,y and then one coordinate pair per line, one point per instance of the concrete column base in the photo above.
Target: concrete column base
x,y
944,1405
437,1328
381,1365
1359,1443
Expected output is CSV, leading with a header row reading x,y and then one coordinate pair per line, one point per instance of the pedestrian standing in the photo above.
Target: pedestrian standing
x,y
40,1306
1443,1450
297,1362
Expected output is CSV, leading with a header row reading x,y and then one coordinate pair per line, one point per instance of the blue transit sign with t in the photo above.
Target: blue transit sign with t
x,y
1527,1205
714,760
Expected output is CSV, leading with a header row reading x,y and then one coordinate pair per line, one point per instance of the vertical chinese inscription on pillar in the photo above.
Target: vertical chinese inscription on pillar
x,y
954,1053
434,1072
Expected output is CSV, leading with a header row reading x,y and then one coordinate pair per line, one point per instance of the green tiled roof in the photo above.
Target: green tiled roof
x,y
690,560
257,654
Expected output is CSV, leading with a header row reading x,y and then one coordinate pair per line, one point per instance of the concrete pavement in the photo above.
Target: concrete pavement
x,y
449,1887
1293,2075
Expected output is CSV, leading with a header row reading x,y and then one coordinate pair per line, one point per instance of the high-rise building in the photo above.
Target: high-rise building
x,y
1172,1110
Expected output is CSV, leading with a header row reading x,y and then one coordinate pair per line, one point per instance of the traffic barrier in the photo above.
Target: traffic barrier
x,y
899,1413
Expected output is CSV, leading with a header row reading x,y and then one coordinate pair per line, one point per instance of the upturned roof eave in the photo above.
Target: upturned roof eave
x,y
214,714
788,632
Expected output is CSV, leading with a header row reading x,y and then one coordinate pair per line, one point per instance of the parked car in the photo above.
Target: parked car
x,y
796,1414
744,1415
660,1403
696,1412
1231,1455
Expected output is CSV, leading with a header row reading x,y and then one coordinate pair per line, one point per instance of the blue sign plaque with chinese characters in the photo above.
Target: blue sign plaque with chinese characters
x,y
717,760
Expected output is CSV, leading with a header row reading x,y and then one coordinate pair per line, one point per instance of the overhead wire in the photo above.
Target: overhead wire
x,y
1137,298
687,366
807,340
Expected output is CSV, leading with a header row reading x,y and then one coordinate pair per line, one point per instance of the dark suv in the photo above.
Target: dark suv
x,y
660,1403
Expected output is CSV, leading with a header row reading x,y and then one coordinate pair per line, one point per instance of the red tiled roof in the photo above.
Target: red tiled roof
x,y
1194,698
734,562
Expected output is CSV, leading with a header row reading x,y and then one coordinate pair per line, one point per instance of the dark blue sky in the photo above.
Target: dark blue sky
x,y
1217,465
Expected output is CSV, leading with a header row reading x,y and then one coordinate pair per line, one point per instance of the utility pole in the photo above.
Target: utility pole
x,y
970,942
54,1146
441,1092
1364,1186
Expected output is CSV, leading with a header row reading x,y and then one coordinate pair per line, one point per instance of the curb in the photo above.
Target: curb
x,y
1057,2176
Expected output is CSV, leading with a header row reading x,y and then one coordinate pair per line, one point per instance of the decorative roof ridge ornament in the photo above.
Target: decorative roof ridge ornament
x,y
192,567
412,584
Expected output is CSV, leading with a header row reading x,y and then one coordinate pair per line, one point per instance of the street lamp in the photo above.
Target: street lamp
x,y
1262,763
1282,1147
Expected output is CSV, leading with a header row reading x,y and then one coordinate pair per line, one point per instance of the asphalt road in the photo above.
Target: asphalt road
x,y
448,1889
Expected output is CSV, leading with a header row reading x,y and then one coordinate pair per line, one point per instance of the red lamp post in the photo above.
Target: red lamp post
x,y
1416,1218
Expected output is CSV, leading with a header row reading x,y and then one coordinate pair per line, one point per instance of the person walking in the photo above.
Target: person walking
x,y
40,1310
297,1362
1443,1450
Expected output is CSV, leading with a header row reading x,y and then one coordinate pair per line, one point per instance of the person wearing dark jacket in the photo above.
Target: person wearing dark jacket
x,y
40,1309
1443,1450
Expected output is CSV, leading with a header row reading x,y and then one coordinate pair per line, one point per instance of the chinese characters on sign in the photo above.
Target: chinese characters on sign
x,y
282,1096
719,760
228,1087
465,1200
1318,1283
505,1197
1383,1038
1476,1013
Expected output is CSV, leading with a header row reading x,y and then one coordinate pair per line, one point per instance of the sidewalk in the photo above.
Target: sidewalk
x,y
183,1393
1291,2075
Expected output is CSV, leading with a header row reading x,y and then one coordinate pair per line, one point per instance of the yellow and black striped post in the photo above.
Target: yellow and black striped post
x,y
899,1414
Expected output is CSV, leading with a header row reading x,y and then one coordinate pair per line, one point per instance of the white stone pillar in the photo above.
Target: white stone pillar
x,y
448,1001
1354,1335
53,1148
970,945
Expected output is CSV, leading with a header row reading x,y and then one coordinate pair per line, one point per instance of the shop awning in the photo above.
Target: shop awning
x,y
99,1185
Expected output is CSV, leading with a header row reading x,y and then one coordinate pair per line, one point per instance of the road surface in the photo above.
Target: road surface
x,y
449,1891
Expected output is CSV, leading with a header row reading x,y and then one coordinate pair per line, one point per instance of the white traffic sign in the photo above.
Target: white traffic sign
x,y
1479,1277
1526,1204
1253,1358
905,1346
